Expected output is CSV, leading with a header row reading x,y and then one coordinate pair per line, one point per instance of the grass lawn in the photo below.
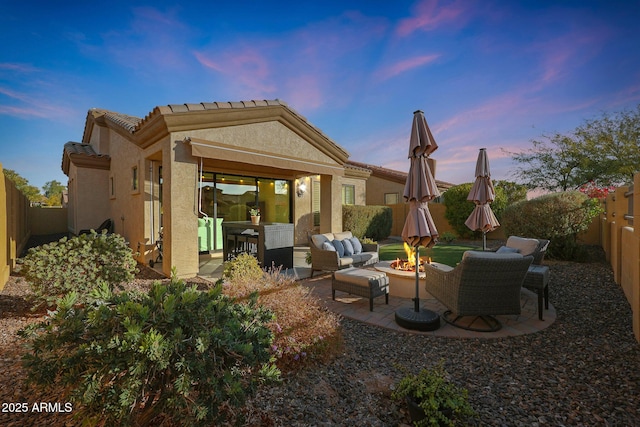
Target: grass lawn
x,y
444,253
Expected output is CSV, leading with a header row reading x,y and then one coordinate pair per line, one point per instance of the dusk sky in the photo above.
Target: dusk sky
x,y
492,74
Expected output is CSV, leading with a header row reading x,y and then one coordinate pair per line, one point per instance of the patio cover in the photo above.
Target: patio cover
x,y
216,150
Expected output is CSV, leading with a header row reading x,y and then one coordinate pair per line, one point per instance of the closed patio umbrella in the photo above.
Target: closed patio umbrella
x,y
482,194
419,228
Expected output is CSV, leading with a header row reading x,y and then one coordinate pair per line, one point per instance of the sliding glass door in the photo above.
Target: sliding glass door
x,y
226,197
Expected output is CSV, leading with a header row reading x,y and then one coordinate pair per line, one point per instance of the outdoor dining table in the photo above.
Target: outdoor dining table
x,y
273,241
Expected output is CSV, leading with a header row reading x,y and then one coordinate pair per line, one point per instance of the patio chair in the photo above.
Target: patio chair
x,y
483,285
537,248
106,225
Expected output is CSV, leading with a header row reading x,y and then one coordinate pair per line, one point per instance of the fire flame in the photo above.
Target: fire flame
x,y
410,263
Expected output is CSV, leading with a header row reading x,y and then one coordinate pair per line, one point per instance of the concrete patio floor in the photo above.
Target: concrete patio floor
x,y
383,315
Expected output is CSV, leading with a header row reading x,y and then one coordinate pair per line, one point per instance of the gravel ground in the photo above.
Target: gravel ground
x,y
584,370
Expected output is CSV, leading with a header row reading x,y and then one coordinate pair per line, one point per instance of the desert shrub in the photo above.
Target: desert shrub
x,y
78,264
558,217
459,208
174,354
243,267
448,237
304,332
370,221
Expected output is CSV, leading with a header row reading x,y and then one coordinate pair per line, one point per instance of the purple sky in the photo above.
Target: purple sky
x,y
492,74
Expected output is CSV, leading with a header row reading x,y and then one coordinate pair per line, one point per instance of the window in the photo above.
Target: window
x,y
315,201
391,198
348,194
112,187
134,178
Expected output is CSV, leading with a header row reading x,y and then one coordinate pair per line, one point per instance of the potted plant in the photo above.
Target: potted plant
x,y
433,400
255,216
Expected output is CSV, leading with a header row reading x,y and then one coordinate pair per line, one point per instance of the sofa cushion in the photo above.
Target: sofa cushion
x,y
345,261
524,245
343,235
507,250
490,255
339,247
348,247
366,258
327,246
357,246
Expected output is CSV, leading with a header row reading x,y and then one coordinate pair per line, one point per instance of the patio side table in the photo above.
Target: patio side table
x,y
537,279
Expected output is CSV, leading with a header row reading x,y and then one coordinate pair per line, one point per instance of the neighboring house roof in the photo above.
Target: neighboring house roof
x,y
83,155
182,117
394,175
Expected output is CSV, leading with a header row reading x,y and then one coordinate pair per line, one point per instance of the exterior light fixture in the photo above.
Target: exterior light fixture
x,y
301,188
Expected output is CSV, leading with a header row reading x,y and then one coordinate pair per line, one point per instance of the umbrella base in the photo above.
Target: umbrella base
x,y
423,320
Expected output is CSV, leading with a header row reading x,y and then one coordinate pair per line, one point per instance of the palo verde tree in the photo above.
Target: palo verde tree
x,y
602,151
53,192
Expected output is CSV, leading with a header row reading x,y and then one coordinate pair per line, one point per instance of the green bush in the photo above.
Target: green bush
x,y
78,264
367,221
243,267
459,208
174,355
558,217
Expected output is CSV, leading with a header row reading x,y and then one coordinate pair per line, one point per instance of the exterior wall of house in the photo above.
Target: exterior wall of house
x,y
377,187
89,198
303,214
271,137
360,186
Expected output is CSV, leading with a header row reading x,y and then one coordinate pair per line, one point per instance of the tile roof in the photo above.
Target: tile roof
x,y
132,124
82,154
394,175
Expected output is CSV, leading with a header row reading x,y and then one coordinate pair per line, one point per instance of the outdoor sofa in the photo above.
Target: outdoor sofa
x,y
335,251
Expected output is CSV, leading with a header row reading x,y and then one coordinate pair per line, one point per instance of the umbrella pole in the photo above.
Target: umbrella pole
x,y
484,240
416,301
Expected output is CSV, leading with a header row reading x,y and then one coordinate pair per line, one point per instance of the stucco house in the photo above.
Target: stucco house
x,y
185,162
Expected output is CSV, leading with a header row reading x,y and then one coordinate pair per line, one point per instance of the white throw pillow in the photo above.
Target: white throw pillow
x,y
524,245
327,246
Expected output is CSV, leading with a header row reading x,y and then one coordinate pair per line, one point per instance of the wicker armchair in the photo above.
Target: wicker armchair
x,y
483,285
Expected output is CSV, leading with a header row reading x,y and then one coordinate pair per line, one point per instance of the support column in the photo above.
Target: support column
x,y
330,204
180,222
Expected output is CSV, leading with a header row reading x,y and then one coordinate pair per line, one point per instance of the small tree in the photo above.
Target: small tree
x,y
604,151
53,192
558,217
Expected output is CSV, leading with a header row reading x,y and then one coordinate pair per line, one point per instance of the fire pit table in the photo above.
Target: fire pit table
x,y
402,283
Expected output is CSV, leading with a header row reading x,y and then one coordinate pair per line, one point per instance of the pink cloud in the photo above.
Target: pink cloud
x,y
429,15
246,67
405,65
32,107
21,68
